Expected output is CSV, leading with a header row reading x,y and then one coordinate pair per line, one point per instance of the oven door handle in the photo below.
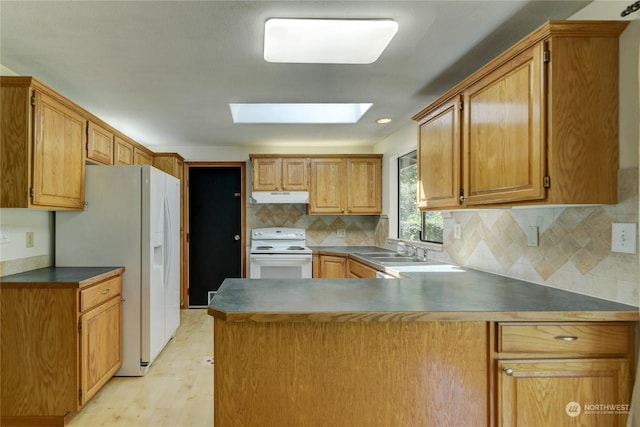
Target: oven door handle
x,y
279,259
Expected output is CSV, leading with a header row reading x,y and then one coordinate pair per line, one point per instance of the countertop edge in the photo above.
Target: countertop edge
x,y
66,284
425,316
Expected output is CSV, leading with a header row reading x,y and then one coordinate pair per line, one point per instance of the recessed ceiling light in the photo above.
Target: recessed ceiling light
x,y
384,120
299,113
327,41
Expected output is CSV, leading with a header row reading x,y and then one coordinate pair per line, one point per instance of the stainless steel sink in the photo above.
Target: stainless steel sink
x,y
399,260
381,255
390,258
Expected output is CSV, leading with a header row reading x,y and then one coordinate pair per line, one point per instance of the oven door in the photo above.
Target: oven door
x,y
280,266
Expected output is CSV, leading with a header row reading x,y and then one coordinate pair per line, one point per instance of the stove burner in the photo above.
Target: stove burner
x,y
295,248
264,248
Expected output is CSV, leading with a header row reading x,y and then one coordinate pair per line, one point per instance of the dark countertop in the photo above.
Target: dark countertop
x,y
60,277
443,292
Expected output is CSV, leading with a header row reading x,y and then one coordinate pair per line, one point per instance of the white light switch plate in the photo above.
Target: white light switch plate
x,y
623,238
533,238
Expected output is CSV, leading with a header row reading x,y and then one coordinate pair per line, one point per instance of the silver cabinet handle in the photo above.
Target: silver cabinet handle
x,y
106,291
236,237
508,371
565,338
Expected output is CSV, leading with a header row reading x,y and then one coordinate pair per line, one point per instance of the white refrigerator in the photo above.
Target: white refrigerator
x,y
131,219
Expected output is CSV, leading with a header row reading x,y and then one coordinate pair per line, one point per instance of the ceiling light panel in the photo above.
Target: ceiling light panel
x,y
299,113
327,41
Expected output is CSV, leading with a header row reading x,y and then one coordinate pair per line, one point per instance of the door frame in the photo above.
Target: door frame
x,y
186,225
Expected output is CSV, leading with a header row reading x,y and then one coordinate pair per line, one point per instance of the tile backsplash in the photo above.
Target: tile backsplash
x,y
322,230
574,251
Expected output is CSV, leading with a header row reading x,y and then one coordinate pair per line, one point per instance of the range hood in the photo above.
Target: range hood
x,y
280,197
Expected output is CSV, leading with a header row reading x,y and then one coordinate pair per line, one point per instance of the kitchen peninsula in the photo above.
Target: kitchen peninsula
x,y
441,348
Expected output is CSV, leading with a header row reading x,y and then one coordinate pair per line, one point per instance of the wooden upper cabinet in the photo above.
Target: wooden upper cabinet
x,y
327,191
280,173
142,157
504,133
171,163
346,185
295,175
439,150
539,124
364,185
99,144
122,151
42,149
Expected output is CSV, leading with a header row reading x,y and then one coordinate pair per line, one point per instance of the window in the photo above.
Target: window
x,y
413,224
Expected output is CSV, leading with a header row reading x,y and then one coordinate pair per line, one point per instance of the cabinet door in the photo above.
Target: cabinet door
x,y
504,133
99,144
333,267
122,152
327,190
364,192
562,392
439,162
58,155
101,346
266,174
294,174
141,157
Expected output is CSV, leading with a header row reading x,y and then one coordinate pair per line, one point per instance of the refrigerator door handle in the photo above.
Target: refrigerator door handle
x,y
167,243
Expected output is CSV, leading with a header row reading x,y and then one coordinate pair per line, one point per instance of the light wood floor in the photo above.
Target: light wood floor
x,y
177,391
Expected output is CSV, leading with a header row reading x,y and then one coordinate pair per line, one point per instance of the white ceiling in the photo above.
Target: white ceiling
x,y
164,72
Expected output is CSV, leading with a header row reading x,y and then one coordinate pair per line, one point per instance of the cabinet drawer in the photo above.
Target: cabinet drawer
x,y
97,294
583,338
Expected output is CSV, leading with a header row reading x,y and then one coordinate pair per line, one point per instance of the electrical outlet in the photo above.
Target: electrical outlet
x,y
533,238
30,239
457,231
341,232
623,238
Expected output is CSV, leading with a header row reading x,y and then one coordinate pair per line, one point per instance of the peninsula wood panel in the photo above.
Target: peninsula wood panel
x,y
351,374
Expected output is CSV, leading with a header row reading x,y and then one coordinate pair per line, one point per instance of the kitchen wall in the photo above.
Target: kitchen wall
x,y
575,242
15,256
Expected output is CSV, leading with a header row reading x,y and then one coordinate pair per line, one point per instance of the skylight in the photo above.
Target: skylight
x,y
327,41
299,113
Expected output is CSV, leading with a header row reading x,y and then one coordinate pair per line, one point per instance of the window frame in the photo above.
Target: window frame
x,y
423,214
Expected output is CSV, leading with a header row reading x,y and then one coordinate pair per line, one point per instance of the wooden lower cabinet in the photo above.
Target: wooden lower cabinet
x,y
360,270
564,373
563,392
332,266
60,343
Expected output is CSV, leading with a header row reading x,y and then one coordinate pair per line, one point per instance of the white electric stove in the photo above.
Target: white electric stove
x,y
279,253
